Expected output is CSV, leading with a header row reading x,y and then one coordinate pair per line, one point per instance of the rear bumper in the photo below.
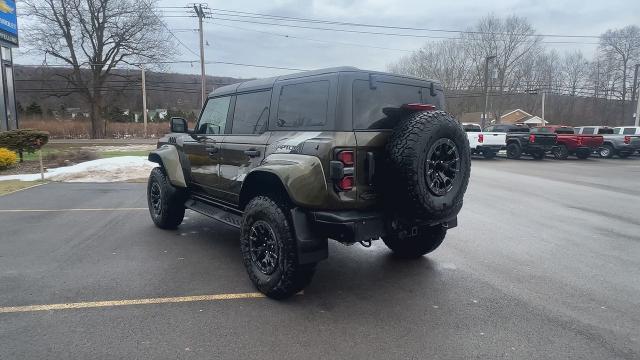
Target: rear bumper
x,y
494,148
628,148
354,225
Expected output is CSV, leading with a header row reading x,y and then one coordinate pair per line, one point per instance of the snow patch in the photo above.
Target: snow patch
x,y
121,168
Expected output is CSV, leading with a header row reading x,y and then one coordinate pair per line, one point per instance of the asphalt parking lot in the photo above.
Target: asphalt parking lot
x,y
545,264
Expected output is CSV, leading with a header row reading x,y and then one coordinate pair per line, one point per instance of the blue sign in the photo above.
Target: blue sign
x,y
8,21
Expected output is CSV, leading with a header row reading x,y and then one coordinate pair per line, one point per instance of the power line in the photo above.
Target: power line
x,y
255,15
309,39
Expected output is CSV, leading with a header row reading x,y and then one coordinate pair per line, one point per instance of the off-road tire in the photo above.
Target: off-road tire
x,y
408,150
538,154
168,211
288,277
427,240
560,152
514,151
582,154
606,151
489,154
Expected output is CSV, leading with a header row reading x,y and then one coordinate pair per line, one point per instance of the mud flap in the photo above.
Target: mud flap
x,y
311,248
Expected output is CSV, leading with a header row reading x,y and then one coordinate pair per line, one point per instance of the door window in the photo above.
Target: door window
x,y
303,106
251,113
588,130
214,116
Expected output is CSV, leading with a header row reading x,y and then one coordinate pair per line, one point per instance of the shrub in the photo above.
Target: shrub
x,y
22,140
7,158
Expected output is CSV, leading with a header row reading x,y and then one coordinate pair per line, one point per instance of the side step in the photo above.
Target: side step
x,y
214,212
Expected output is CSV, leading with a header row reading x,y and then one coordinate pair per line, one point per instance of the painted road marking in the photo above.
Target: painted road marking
x,y
62,210
23,189
112,303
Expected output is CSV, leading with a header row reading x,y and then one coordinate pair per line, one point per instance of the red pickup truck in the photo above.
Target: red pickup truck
x,y
570,143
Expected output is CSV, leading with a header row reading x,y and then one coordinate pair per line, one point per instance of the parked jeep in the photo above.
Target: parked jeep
x,y
295,160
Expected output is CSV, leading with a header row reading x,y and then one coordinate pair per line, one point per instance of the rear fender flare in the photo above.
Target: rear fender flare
x,y
168,158
301,176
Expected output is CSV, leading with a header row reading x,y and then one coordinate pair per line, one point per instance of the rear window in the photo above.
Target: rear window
x,y
251,113
516,129
564,131
471,128
541,130
605,131
304,105
369,104
628,131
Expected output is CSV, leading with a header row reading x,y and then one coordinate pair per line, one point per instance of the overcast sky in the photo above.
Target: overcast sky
x,y
239,42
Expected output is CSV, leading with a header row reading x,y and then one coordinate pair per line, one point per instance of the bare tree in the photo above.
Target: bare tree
x,y
445,61
94,37
623,47
574,72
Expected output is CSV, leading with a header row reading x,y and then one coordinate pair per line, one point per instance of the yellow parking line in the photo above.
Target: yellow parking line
x,y
62,210
97,304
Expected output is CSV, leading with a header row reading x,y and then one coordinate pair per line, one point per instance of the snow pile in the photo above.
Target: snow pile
x,y
113,148
121,168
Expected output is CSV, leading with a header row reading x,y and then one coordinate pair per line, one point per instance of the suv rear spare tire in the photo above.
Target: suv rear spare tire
x,y
430,160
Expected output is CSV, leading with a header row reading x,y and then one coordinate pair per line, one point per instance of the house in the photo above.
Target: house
x,y
517,116
76,112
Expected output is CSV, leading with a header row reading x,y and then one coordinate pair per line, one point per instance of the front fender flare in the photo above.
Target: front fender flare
x,y
169,159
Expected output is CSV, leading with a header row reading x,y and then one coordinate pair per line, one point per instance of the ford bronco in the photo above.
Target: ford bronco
x,y
295,160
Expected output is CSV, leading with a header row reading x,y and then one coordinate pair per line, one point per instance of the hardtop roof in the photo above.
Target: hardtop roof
x,y
268,82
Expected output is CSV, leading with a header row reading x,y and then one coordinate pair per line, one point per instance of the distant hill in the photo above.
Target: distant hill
x,y
44,86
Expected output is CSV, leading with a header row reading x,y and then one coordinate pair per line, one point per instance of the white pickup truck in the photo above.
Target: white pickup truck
x,y
486,143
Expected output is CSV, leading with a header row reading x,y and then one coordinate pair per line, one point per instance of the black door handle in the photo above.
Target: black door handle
x,y
252,152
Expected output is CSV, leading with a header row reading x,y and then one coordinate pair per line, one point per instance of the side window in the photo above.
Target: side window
x,y
214,116
588,130
251,113
303,105
628,131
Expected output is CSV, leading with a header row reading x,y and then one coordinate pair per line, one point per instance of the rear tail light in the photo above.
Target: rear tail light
x,y
419,107
532,138
346,183
343,175
346,157
480,138
627,139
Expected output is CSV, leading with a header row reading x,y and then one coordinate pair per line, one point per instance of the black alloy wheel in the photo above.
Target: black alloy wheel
x,y
443,165
264,248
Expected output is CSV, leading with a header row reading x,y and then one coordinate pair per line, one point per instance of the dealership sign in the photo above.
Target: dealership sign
x,y
8,21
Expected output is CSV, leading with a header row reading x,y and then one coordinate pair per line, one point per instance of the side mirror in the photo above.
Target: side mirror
x,y
178,125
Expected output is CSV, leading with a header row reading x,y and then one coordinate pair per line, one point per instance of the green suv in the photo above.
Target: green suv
x,y
295,160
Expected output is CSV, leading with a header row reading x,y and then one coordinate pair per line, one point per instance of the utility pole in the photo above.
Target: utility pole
x,y
486,90
144,99
203,81
633,97
544,97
